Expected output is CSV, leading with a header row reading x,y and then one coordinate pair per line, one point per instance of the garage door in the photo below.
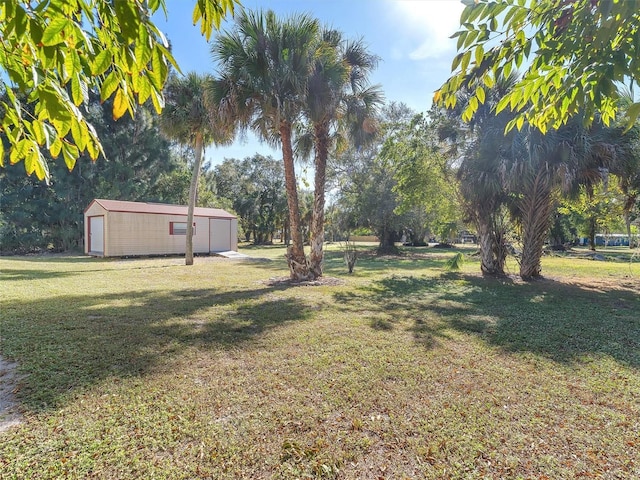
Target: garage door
x,y
219,235
96,234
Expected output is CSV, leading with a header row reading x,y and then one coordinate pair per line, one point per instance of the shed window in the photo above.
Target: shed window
x,y
180,228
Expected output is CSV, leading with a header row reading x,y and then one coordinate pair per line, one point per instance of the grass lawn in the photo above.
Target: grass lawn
x,y
146,368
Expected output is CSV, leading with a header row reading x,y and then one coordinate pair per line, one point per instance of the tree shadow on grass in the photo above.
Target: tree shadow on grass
x,y
69,342
57,258
16,274
557,320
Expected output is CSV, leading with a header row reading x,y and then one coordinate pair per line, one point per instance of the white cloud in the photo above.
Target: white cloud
x,y
427,24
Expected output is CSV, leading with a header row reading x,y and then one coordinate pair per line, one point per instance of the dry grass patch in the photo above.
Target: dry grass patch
x,y
150,369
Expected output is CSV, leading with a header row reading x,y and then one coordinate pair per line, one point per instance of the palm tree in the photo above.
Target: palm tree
x,y
479,143
340,106
538,167
264,65
483,198
190,118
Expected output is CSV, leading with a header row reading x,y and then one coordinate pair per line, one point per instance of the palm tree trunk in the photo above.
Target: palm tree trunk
x,y
193,192
298,265
535,208
499,246
488,264
316,258
627,223
592,233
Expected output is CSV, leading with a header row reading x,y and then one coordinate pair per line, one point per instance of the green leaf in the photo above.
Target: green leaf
x,y
35,162
120,103
35,30
502,104
465,61
52,33
144,89
94,150
20,21
456,61
475,12
507,69
632,114
102,62
479,54
77,91
464,16
109,86
80,134
159,69
69,65
55,148
70,154
1,154
488,80
94,147
473,104
480,94
467,114
30,162
461,39
142,50
471,37
39,132
54,104
168,56
62,126
128,19
19,151
158,101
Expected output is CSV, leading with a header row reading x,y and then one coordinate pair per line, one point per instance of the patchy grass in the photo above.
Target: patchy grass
x,y
147,368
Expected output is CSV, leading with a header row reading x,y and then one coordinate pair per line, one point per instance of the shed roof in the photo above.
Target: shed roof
x,y
158,208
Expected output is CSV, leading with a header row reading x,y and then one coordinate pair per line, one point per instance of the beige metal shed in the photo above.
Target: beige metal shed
x,y
114,228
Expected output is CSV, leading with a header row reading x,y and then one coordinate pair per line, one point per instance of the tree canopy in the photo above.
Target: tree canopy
x,y
255,189
139,161
575,54
54,52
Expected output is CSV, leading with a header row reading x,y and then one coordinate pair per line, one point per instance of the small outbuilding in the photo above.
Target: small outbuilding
x,y
114,228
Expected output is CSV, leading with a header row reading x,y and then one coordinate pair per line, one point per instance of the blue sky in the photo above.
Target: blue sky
x,y
409,36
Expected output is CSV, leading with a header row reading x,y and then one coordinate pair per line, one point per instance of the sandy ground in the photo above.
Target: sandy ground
x,y
9,414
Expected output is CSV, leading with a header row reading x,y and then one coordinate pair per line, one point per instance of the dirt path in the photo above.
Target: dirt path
x,y
9,414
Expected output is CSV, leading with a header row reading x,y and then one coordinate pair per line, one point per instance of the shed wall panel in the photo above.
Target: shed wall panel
x,y
234,234
219,234
148,234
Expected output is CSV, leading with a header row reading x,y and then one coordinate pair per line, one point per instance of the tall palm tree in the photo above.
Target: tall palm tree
x,y
190,118
479,144
483,197
339,106
264,64
541,166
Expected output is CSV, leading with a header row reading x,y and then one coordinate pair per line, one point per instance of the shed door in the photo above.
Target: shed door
x,y
219,235
96,234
